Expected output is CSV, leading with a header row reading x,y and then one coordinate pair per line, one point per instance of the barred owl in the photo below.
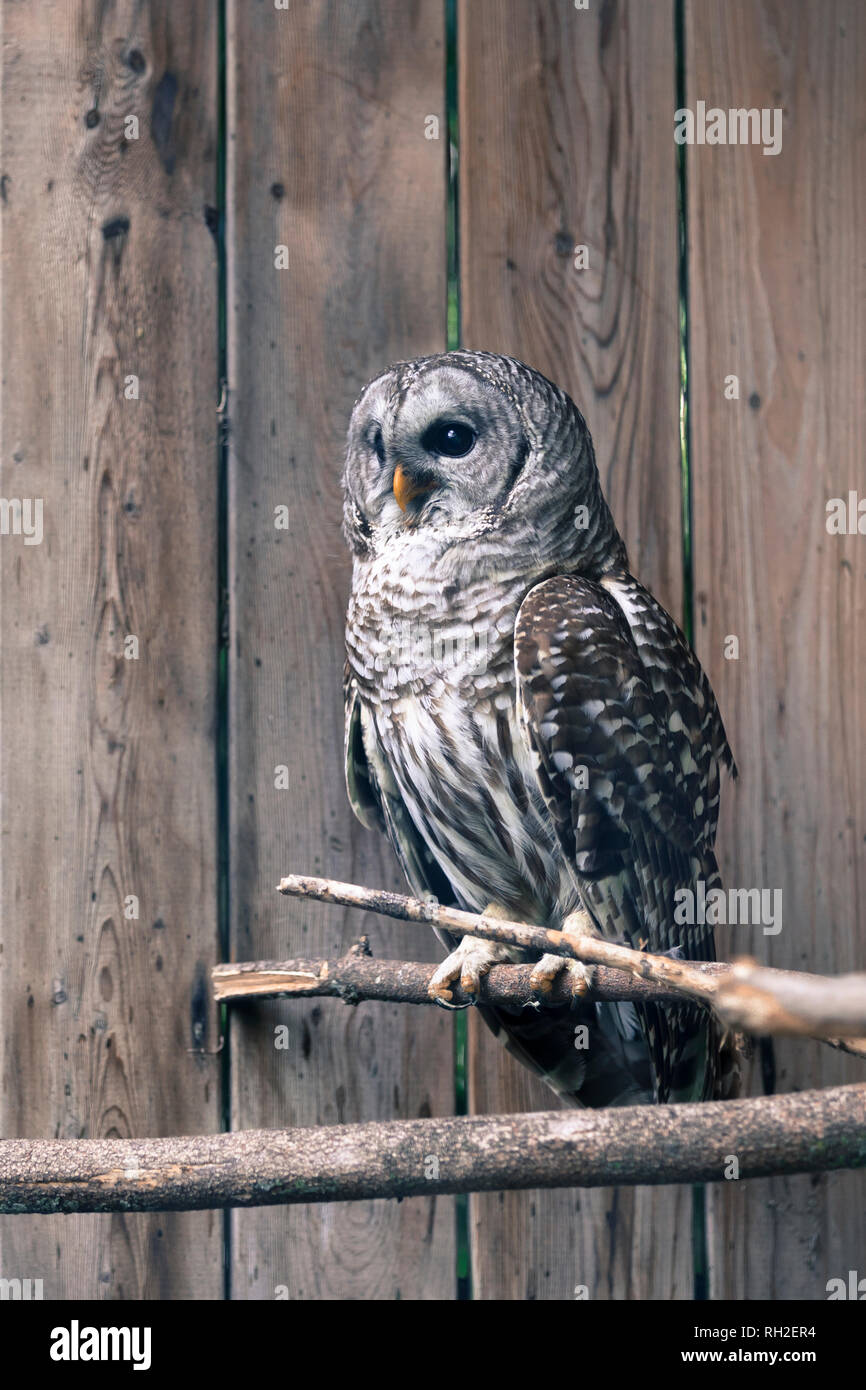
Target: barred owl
x,y
523,719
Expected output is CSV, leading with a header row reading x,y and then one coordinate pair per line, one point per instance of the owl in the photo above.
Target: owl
x,y
524,720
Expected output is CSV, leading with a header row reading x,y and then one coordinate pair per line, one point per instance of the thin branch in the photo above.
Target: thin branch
x,y
328,890
806,1132
746,996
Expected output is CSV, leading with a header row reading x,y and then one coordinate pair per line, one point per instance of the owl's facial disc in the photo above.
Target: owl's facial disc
x,y
430,450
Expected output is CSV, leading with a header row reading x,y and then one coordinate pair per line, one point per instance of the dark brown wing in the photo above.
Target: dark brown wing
x,y
628,744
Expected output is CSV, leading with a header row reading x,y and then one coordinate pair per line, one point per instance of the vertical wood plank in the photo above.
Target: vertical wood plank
x,y
566,139
777,283
328,158
107,764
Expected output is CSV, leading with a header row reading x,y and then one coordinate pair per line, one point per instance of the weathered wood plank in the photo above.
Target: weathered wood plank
x,y
566,140
327,157
777,284
107,764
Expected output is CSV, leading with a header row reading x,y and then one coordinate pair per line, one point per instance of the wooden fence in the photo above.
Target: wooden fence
x,y
170,379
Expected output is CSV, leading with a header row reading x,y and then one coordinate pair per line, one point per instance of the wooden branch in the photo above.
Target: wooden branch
x,y
807,1132
357,978
327,890
746,996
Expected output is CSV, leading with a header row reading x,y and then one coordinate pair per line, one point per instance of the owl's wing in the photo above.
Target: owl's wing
x,y
363,791
375,798
628,744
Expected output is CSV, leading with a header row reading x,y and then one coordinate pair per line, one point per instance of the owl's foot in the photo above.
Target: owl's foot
x,y
545,972
469,963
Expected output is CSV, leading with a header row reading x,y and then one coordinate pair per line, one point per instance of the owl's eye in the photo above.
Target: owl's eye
x,y
450,438
379,446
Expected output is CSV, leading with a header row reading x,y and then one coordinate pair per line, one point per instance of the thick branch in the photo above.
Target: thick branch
x,y
356,978
808,1132
746,996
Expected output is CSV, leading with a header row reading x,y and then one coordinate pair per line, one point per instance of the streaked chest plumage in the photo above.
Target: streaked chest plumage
x,y
435,673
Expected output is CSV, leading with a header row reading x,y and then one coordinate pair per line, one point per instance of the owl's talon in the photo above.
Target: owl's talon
x,y
545,972
468,963
439,998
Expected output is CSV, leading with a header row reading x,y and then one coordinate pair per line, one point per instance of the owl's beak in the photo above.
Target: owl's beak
x,y
405,489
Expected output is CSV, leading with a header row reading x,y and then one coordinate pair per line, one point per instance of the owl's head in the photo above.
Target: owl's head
x,y
480,457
